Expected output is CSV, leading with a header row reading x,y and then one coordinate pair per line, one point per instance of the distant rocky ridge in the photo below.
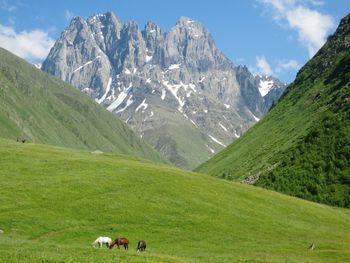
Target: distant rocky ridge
x,y
175,89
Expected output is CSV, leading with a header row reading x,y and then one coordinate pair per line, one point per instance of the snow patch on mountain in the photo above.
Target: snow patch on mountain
x,y
210,149
174,66
216,140
128,103
127,71
265,87
87,63
163,94
143,105
121,97
255,118
148,58
173,90
106,93
223,127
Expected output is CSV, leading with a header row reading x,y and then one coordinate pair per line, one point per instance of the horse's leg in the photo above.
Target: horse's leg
x,y
118,246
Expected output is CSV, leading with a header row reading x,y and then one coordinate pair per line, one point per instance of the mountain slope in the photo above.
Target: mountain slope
x,y
162,84
41,108
55,202
302,146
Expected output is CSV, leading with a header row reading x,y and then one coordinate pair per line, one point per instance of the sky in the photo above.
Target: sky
x,y
271,37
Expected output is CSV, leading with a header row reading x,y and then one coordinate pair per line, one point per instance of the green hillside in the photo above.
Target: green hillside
x,y
43,109
55,202
172,137
302,146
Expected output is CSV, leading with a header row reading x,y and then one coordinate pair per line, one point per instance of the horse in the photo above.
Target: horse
x,y
312,247
102,240
120,241
21,140
141,246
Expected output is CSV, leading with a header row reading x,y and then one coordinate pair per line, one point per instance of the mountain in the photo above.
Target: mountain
x,y
302,146
43,109
175,89
55,202
259,92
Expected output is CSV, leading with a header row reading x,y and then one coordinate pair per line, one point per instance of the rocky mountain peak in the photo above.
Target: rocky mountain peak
x,y
242,69
175,89
185,21
152,28
191,30
77,22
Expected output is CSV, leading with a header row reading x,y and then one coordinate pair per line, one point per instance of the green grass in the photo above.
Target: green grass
x,y
302,146
179,140
44,109
56,201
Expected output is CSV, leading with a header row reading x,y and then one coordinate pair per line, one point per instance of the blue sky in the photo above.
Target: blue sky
x,y
269,36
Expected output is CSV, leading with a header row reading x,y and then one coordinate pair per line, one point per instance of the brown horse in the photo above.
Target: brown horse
x,y
120,241
141,246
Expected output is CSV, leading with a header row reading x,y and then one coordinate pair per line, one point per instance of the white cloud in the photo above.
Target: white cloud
x,y
287,65
68,15
277,4
32,45
311,25
277,68
263,67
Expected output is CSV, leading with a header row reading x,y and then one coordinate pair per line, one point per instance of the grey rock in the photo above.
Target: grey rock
x,y
176,89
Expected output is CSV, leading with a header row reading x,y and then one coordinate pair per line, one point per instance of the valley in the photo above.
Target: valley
x,y
155,135
68,198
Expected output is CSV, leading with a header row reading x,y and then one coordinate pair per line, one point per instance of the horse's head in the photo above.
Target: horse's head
x,y
111,245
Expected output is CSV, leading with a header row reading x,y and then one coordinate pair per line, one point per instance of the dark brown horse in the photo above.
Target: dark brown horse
x,y
141,246
120,241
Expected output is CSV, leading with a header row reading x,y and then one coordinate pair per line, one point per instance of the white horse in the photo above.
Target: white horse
x,y
102,240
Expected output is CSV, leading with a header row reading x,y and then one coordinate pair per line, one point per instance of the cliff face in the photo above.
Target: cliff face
x,y
175,89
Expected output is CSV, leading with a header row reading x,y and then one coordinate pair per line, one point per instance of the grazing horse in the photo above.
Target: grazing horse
x,y
312,247
141,246
102,240
21,140
120,241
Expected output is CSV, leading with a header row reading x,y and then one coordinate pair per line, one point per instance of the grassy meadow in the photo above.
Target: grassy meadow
x,y
43,109
55,202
